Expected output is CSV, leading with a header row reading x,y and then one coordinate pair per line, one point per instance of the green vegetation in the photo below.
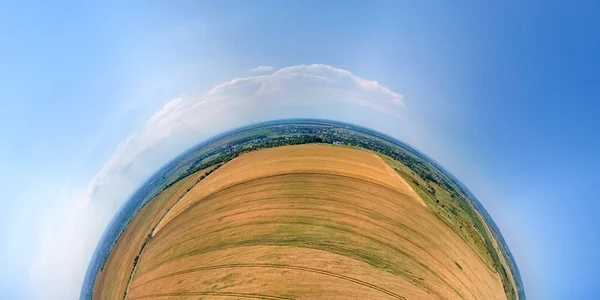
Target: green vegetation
x,y
135,263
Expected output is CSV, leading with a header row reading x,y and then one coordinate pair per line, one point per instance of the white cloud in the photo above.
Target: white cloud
x,y
262,69
71,232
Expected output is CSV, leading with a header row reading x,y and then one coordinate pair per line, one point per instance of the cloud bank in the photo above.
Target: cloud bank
x,y
70,233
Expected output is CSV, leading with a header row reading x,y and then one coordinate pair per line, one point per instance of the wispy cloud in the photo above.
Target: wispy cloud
x,y
74,229
262,69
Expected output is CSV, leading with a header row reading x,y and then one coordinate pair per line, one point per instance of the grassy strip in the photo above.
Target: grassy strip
x,y
135,264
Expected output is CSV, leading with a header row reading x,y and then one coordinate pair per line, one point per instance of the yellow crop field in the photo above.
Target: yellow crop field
x,y
295,222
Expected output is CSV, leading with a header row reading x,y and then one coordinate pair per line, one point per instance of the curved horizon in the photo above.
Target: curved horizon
x,y
98,97
142,195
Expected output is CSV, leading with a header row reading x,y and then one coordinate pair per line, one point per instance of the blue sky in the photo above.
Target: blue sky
x,y
503,95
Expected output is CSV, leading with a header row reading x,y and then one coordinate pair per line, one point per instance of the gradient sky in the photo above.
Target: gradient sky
x,y
95,97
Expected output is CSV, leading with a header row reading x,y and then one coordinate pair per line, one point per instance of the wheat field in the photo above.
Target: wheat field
x,y
295,222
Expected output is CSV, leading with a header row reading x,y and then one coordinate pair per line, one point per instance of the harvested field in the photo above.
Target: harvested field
x,y
296,222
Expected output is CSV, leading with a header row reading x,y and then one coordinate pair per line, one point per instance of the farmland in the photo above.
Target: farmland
x,y
295,210
302,222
